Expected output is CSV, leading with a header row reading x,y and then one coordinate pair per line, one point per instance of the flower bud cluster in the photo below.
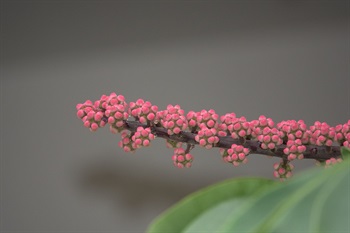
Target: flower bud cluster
x,y
143,111
270,138
192,121
263,130
173,119
338,136
236,155
90,115
102,102
182,159
206,123
342,134
236,127
321,134
294,149
208,127
206,137
142,137
346,143
330,162
292,130
207,119
203,119
115,111
126,143
226,125
283,170
257,126
131,142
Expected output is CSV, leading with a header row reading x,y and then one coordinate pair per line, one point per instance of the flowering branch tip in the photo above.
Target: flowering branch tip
x,y
141,122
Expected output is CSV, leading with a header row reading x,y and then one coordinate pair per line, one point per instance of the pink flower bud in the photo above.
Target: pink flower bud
x,y
189,157
176,130
202,142
271,145
80,113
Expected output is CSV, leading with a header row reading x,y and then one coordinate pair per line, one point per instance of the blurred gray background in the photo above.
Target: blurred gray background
x,y
283,59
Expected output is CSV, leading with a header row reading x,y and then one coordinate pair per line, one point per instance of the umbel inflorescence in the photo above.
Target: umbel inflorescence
x,y
141,122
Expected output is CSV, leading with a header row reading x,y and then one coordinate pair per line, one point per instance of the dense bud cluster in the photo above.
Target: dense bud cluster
x,y
347,142
182,159
173,119
192,121
294,149
207,137
342,134
259,125
269,138
203,119
236,127
142,137
144,111
338,136
90,115
236,155
263,130
321,134
330,162
115,111
235,136
283,170
126,143
131,142
292,130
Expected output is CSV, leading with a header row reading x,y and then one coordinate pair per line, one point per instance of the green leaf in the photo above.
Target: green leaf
x,y
206,208
317,200
302,205
345,152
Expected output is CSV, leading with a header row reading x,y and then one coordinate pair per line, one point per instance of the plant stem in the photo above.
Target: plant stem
x,y
320,153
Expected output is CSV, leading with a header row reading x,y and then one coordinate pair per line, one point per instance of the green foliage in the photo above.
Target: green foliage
x,y
218,197
317,200
345,152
